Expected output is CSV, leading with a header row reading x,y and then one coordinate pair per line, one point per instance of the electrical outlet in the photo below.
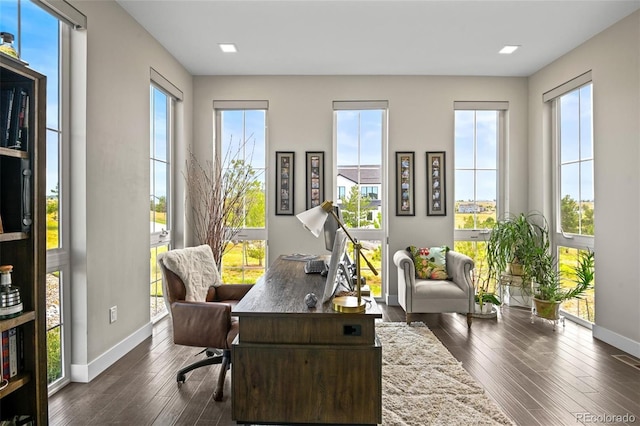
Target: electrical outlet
x,y
113,314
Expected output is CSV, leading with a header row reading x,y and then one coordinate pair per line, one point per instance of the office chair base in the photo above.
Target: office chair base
x,y
213,357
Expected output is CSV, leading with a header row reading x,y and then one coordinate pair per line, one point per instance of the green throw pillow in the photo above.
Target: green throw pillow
x,y
430,262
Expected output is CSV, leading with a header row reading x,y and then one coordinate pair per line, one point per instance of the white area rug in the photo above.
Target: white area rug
x,y
423,384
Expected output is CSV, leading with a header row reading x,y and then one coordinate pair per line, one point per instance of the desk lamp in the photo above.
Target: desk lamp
x,y
313,220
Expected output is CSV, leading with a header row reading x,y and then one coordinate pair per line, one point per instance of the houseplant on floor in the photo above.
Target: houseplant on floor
x,y
509,249
549,293
484,299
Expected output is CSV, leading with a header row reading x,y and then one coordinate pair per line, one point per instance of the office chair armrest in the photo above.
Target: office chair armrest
x,y
228,292
204,324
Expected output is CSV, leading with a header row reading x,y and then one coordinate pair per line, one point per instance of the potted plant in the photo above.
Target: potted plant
x,y
484,299
485,302
513,247
549,293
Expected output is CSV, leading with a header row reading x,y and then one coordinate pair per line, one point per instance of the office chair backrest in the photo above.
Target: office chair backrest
x,y
174,288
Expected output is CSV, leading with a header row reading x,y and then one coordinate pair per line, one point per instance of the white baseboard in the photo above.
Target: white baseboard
x,y
84,373
392,300
614,339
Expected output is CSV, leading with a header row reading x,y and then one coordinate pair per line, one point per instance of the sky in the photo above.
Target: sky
x,y
158,147
576,154
476,154
365,150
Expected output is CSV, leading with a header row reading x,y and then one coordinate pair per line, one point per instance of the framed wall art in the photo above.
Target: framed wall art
x,y
436,185
405,184
284,182
315,178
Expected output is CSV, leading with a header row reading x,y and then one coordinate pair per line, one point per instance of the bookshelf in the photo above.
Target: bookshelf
x,y
23,237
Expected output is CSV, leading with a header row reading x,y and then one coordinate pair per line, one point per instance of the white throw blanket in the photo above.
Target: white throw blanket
x,y
195,267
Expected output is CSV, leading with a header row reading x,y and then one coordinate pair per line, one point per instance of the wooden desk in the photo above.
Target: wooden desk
x,y
292,364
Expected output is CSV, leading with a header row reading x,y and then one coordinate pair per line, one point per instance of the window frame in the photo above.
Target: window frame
x,y
245,235
164,237
560,234
58,259
502,178
363,234
558,237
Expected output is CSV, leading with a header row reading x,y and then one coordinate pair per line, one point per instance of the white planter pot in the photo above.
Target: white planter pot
x,y
487,308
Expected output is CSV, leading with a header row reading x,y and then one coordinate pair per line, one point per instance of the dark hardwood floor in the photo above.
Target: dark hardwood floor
x,y
537,376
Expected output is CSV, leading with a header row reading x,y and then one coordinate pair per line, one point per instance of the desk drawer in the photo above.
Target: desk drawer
x,y
335,329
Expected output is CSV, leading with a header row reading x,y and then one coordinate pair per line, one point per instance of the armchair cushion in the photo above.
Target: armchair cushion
x,y
430,262
196,268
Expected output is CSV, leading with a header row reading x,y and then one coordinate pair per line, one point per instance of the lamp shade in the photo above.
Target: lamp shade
x,y
314,219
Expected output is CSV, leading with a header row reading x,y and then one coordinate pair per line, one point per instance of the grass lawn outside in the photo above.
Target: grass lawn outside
x,y
53,231
240,269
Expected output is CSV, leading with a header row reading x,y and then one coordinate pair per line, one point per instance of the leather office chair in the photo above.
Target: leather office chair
x,y
207,324
418,296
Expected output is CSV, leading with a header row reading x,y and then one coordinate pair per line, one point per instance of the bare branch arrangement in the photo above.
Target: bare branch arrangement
x,y
217,192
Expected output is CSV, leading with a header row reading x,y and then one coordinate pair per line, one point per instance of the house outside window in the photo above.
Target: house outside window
x,y
369,191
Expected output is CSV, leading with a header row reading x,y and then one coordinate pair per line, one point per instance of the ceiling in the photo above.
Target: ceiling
x,y
360,37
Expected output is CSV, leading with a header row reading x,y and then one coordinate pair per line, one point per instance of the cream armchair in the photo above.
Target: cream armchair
x,y
417,296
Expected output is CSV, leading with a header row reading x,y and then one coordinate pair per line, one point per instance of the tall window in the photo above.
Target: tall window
x,y
241,137
575,147
478,136
38,32
360,134
42,40
162,108
572,114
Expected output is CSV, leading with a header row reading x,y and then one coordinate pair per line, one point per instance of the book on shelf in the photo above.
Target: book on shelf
x,y
14,117
20,350
5,354
23,121
18,115
13,352
6,105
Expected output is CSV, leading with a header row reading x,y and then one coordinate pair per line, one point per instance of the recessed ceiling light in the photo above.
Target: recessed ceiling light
x,y
509,49
228,47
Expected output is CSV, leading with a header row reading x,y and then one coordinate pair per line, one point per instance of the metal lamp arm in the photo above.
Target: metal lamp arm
x,y
354,241
374,270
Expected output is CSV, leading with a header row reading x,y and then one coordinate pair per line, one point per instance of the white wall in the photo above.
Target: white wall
x,y
614,58
421,119
110,181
